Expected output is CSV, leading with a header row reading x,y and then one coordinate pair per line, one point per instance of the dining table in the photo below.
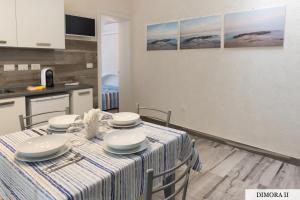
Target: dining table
x,y
99,174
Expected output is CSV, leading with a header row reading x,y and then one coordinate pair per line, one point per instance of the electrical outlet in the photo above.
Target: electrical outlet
x,y
9,68
35,67
23,67
89,65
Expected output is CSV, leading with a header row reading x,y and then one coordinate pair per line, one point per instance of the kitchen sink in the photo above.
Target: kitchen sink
x,y
6,91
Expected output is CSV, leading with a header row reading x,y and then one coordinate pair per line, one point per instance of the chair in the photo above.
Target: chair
x,y
28,119
167,113
169,186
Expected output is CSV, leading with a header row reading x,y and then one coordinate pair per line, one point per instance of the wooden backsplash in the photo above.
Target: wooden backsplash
x,y
68,64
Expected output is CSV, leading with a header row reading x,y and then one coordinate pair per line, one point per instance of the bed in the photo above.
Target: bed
x,y
110,92
110,97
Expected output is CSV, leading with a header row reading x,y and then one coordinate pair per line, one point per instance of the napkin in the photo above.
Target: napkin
x,y
91,121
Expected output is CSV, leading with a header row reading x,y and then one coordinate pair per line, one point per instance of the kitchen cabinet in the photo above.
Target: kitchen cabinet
x,y
10,109
46,104
81,101
8,33
40,23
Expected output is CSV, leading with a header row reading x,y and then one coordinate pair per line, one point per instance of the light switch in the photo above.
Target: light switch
x,y
9,68
23,67
35,67
89,65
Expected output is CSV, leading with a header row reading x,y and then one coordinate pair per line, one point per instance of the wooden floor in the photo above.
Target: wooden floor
x,y
228,171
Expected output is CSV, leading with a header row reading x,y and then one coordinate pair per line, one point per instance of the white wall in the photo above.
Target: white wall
x,y
125,94
91,8
249,95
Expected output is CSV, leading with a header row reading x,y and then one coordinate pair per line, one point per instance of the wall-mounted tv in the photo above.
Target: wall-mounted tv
x,y
80,26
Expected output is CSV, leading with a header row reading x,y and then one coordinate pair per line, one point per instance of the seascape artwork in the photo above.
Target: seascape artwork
x,y
200,33
257,28
162,36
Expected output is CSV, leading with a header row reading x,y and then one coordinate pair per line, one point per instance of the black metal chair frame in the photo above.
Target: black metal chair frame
x,y
167,113
27,125
169,185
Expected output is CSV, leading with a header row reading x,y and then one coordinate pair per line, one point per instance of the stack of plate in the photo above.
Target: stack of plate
x,y
125,142
42,148
60,124
125,120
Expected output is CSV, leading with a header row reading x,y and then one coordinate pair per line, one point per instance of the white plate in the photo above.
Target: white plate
x,y
125,118
64,150
42,145
110,123
63,121
141,148
125,139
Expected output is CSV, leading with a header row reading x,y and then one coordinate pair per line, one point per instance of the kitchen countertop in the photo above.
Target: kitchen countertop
x,y
23,92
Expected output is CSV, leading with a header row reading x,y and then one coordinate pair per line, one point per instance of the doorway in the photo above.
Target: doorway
x,y
110,44
114,81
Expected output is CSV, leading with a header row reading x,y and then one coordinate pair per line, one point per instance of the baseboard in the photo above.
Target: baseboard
x,y
246,147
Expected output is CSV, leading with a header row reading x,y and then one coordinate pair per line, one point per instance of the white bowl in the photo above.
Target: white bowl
x,y
124,140
111,124
141,148
125,118
57,154
42,145
63,121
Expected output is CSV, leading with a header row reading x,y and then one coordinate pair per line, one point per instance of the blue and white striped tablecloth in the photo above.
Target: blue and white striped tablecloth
x,y
98,176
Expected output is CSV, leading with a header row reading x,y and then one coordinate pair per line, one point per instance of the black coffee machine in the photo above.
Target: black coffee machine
x,y
47,77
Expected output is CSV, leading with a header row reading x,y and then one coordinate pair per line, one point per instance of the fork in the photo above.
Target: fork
x,y
35,131
67,163
46,131
62,162
151,139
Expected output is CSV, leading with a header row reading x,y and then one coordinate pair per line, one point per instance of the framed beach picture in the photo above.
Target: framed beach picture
x,y
200,33
162,36
257,28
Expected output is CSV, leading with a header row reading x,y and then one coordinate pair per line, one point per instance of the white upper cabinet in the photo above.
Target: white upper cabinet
x,y
40,23
8,32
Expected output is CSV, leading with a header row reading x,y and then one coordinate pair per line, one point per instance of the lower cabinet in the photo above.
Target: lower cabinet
x,y
81,101
10,109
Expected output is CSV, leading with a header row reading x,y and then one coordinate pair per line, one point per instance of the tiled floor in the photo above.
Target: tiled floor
x,y
228,171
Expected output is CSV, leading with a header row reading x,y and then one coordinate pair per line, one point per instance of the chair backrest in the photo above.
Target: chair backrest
x,y
150,177
26,121
166,113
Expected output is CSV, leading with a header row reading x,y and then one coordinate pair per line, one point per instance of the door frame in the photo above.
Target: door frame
x,y
121,18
